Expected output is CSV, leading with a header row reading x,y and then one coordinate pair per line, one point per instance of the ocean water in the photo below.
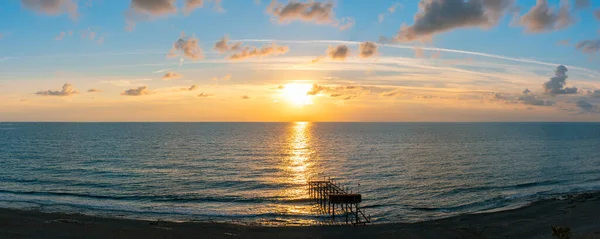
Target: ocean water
x,y
257,172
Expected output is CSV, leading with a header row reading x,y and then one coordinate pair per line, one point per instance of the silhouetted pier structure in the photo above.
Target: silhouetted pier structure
x,y
334,200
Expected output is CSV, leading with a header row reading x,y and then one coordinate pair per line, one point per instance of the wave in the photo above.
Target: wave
x,y
494,188
163,198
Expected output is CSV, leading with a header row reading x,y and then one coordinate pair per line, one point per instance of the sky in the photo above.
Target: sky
x,y
263,60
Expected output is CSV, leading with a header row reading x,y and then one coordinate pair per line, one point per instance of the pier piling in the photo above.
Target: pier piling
x,y
329,195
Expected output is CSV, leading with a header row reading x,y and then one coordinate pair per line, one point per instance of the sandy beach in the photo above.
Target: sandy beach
x,y
581,213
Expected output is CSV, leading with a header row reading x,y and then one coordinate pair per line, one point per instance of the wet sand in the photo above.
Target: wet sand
x,y
581,213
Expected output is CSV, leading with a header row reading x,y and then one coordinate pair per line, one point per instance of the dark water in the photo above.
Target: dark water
x,y
256,172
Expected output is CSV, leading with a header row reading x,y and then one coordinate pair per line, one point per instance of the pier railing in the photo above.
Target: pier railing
x,y
333,199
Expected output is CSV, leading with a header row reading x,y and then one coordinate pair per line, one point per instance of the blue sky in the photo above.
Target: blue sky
x,y
98,50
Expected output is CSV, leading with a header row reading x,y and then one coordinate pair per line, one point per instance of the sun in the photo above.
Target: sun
x,y
297,94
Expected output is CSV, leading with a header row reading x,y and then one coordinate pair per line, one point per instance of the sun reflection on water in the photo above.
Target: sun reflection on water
x,y
300,152
297,167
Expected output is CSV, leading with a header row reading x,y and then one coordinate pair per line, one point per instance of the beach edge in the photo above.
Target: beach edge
x,y
577,212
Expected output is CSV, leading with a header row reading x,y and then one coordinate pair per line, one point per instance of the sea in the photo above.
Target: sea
x,y
258,172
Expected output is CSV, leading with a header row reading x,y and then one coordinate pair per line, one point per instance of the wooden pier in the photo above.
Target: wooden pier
x,y
334,200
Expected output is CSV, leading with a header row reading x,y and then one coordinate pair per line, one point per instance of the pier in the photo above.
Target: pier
x,y
333,199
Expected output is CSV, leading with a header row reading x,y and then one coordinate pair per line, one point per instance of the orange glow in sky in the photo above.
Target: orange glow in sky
x,y
297,94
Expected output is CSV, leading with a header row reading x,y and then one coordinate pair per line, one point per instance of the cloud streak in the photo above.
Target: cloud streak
x,y
397,46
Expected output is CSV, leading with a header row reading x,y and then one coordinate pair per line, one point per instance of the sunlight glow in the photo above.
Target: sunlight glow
x,y
297,94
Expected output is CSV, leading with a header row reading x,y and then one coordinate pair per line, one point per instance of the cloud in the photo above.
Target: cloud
x,y
60,36
541,17
126,83
594,94
585,106
581,4
191,88
245,97
315,12
381,17
224,78
187,47
390,93
91,35
346,23
203,95
171,76
494,96
315,90
142,90
321,13
367,49
335,95
190,5
67,90
148,9
419,52
53,7
316,60
222,46
555,86
391,10
528,99
339,52
94,90
597,14
563,42
268,50
437,16
589,46
154,7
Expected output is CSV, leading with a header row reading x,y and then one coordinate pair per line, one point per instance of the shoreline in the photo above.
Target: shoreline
x,y
578,212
